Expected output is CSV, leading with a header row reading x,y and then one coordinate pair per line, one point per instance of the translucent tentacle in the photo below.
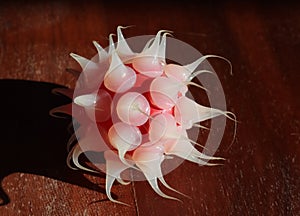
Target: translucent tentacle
x,y
149,160
201,126
196,73
148,44
74,155
162,180
81,60
197,85
184,149
102,54
154,49
114,167
123,49
97,105
192,66
163,45
111,48
122,182
154,184
151,60
187,112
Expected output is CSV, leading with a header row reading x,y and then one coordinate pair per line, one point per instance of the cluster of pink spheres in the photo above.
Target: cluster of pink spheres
x,y
139,104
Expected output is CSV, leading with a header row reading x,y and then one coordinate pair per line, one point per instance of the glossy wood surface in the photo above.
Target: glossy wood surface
x,y
261,175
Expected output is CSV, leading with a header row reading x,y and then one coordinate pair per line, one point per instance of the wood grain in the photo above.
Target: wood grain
x,y
261,175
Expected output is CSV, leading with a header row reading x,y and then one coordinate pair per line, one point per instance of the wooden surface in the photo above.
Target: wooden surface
x,y
261,175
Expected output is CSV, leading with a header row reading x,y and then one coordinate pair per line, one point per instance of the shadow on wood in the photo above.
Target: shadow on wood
x,y
32,141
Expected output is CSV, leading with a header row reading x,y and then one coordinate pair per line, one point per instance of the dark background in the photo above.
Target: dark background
x,y
261,175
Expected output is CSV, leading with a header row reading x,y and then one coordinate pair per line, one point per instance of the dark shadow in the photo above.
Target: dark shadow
x,y
32,141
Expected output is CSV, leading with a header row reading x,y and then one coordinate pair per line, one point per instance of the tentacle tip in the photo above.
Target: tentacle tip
x,y
184,195
122,182
125,27
219,158
165,31
168,33
217,164
74,55
179,200
209,164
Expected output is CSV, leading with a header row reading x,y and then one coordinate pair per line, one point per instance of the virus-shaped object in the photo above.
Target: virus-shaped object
x,y
133,107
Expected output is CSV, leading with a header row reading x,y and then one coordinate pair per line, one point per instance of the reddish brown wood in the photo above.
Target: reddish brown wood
x,y
261,175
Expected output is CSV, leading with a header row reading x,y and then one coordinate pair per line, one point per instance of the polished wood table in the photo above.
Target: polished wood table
x,y
261,175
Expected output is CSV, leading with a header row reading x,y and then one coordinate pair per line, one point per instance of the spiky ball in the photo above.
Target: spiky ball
x,y
134,108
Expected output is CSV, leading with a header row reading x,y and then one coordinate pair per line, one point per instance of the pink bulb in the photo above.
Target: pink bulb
x,y
148,66
151,60
122,48
177,71
119,78
165,92
133,109
124,136
162,127
149,153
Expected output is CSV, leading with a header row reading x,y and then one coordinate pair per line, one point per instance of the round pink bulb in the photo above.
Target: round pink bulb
x,y
133,109
124,136
178,72
162,127
165,92
150,153
119,78
148,66
151,60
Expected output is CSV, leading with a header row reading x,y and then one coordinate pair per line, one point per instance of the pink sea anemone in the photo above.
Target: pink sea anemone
x,y
134,107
